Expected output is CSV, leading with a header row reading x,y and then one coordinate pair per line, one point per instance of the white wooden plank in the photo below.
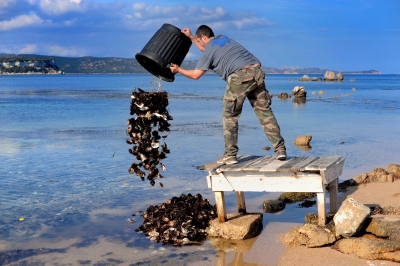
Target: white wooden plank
x,y
220,181
271,167
295,164
277,183
258,163
332,172
302,164
322,163
244,160
209,182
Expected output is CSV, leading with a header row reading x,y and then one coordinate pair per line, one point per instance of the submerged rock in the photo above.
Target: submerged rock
x,y
273,205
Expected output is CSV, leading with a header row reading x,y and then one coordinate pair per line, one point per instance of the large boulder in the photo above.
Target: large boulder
x,y
350,217
330,76
339,76
310,235
304,78
299,91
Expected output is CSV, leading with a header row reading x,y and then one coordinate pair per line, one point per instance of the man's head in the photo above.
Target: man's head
x,y
204,30
204,34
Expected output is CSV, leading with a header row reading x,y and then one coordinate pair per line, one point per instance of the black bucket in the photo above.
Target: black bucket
x,y
168,45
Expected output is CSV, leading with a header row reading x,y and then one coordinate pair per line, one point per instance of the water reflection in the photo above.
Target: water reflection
x,y
299,100
237,246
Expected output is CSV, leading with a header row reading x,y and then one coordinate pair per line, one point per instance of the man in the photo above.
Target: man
x,y
242,71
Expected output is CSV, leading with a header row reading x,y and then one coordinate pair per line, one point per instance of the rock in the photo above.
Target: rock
x,y
289,197
237,226
361,179
350,217
321,92
299,92
330,76
339,76
284,95
311,218
371,247
273,205
303,140
384,227
304,78
309,235
393,168
378,175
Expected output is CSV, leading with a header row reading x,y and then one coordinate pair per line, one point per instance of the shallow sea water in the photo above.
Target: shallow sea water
x,y
64,161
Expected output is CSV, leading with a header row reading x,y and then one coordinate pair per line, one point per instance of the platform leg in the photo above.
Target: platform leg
x,y
241,205
221,209
321,207
333,196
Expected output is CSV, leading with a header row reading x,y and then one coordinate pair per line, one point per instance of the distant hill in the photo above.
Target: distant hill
x,y
113,65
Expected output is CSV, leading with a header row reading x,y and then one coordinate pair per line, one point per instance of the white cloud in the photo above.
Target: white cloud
x,y
6,3
138,5
21,21
28,49
190,55
251,22
144,16
65,51
62,6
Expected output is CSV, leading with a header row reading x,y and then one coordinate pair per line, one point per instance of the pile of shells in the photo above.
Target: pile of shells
x,y
144,130
179,221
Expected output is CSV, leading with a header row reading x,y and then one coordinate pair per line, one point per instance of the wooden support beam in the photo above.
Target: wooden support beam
x,y
221,208
321,207
333,196
241,205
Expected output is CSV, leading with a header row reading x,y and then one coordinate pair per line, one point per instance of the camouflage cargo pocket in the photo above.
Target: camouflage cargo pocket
x,y
230,106
240,77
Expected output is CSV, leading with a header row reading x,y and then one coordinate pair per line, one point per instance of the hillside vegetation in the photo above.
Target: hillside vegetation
x,y
114,65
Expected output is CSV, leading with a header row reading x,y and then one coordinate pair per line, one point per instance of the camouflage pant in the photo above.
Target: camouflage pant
x,y
248,82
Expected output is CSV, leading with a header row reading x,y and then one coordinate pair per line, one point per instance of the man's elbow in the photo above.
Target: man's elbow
x,y
197,74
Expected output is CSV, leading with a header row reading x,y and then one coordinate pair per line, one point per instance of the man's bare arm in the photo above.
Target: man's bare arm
x,y
192,74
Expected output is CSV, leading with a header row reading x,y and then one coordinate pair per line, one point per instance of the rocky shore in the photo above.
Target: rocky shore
x,y
366,227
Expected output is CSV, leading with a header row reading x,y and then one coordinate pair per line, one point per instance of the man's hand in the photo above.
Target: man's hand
x,y
187,32
174,68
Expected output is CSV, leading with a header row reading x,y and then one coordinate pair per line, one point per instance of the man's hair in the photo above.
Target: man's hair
x,y
204,30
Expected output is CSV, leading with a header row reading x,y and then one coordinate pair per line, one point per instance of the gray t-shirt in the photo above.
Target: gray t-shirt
x,y
225,56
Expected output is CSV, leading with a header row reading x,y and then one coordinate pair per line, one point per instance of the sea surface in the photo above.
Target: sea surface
x,y
66,194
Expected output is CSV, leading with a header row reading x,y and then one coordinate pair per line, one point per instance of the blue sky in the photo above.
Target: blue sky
x,y
341,35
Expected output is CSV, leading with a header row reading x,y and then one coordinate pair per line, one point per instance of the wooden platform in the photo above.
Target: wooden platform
x,y
265,173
